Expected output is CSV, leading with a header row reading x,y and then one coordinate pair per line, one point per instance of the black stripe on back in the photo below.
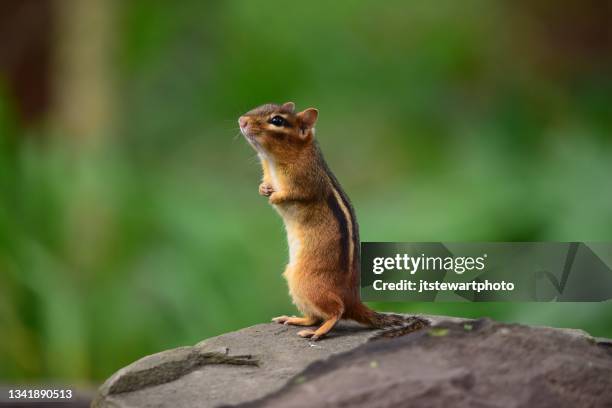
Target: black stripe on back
x,y
349,206
334,206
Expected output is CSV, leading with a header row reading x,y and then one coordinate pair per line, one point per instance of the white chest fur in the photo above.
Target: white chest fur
x,y
294,241
294,238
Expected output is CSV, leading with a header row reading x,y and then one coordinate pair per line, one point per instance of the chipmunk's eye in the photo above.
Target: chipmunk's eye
x,y
278,121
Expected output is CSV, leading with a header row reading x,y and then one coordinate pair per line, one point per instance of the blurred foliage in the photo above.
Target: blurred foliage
x,y
445,121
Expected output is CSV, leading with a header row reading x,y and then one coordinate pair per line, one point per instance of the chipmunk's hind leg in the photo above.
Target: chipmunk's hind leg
x,y
321,331
330,306
296,321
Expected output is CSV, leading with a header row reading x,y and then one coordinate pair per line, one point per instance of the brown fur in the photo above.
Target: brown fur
x,y
323,235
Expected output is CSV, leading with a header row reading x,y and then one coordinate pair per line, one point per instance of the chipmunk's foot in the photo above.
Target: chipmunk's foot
x,y
281,319
296,321
266,189
308,334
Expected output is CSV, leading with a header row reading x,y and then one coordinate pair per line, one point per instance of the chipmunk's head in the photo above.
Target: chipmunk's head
x,y
277,131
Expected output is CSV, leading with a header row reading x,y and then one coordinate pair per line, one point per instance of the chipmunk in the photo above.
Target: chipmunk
x,y
323,272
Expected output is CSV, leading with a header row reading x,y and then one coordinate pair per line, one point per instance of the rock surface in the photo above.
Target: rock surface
x,y
455,362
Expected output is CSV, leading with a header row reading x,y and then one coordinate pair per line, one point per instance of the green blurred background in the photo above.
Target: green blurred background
x,y
129,215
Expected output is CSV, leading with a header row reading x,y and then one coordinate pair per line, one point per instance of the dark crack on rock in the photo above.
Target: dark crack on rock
x,y
173,370
605,344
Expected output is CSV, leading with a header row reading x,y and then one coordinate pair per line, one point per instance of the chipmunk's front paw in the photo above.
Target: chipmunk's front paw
x,y
281,319
266,189
277,197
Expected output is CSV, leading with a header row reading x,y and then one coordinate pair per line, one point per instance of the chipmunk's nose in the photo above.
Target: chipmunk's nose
x,y
242,121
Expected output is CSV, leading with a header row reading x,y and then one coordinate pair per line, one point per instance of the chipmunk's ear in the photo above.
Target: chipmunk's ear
x,y
308,118
290,106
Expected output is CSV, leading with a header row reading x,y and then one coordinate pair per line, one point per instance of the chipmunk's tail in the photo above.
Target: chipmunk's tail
x,y
364,315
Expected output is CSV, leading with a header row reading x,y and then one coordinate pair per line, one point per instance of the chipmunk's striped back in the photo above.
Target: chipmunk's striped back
x,y
344,213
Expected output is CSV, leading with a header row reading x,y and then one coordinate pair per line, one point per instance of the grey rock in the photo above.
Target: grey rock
x,y
455,362
460,364
228,369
